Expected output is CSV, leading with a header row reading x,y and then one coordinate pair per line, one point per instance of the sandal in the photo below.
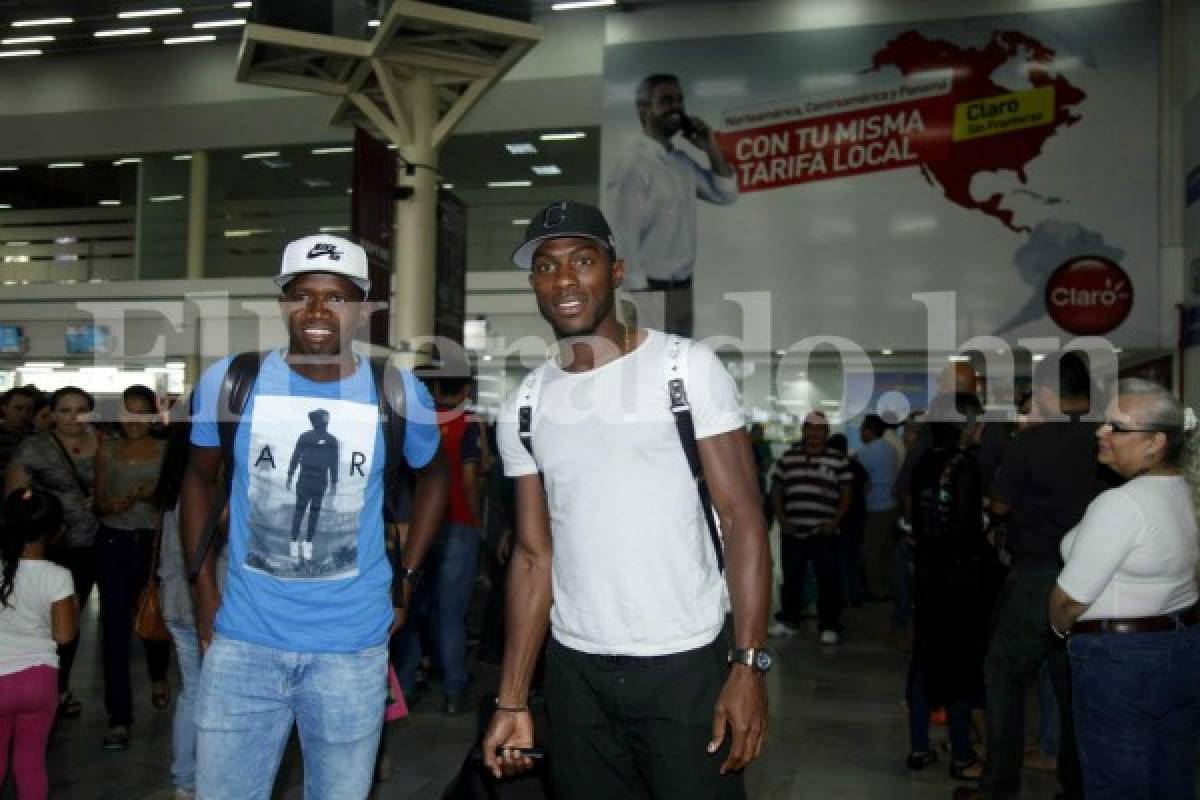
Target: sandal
x,y
160,695
919,761
69,707
966,771
117,738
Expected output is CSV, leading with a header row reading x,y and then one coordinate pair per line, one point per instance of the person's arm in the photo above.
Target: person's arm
x,y
430,491
526,618
1064,610
705,138
64,619
845,498
16,476
777,504
629,197
200,483
732,478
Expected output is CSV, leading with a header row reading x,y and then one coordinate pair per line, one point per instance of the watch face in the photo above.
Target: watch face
x,y
762,660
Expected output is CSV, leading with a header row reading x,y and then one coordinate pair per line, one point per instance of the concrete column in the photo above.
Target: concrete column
x,y
415,251
197,222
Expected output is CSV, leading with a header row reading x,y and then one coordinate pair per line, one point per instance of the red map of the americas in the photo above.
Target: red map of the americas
x,y
973,67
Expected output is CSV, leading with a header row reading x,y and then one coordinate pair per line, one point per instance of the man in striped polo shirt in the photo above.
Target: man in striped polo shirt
x,y
811,492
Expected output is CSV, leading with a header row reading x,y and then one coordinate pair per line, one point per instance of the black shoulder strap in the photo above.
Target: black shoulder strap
x,y
389,393
239,380
681,409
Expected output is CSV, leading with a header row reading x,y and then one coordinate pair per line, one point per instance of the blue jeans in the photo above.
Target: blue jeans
x,y
959,713
1137,713
251,695
444,597
183,737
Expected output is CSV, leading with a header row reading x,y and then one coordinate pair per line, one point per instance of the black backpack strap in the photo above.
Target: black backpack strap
x,y
235,390
391,398
527,401
681,409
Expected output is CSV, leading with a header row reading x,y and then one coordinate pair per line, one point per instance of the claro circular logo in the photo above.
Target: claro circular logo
x,y
1089,296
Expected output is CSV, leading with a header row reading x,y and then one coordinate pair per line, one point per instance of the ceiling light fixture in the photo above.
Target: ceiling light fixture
x,y
110,202
149,12
241,234
219,23
509,184
328,151
9,169
166,198
520,148
18,53
120,162
885,352
335,228
574,4
5,206
547,169
190,39
182,157
447,185
263,154
27,40
243,4
373,23
64,165
32,23
520,222
121,32
565,136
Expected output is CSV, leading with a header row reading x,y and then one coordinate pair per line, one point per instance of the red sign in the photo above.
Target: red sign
x,y
1089,296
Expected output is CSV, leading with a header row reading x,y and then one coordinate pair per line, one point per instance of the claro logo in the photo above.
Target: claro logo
x,y
1089,296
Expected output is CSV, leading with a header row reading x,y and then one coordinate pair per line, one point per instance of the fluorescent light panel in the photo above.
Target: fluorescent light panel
x,y
121,32
574,4
120,162
149,12
9,169
5,206
33,23
190,39
565,136
110,202
65,165
219,23
27,40
243,4
520,148
328,151
547,169
509,184
520,222
182,157
19,53
261,154
374,23
166,198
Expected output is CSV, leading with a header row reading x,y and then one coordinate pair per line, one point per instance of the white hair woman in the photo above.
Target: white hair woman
x,y
1127,597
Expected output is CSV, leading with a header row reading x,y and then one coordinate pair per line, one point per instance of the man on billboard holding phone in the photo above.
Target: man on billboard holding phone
x,y
651,194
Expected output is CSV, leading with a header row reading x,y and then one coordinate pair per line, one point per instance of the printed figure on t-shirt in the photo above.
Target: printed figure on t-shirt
x,y
316,454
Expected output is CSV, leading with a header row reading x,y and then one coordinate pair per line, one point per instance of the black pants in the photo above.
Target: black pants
x,y
81,563
122,569
1020,644
822,551
628,728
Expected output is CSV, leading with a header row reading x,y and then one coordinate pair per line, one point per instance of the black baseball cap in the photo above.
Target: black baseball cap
x,y
562,219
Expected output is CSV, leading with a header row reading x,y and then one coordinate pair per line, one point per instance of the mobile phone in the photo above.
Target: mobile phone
x,y
686,127
523,752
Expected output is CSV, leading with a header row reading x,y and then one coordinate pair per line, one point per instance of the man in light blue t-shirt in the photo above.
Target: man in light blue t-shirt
x,y
299,633
882,462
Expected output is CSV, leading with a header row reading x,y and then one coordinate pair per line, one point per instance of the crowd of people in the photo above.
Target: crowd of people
x,y
627,557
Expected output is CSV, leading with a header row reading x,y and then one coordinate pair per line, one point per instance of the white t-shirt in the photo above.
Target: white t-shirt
x,y
634,572
25,633
1134,552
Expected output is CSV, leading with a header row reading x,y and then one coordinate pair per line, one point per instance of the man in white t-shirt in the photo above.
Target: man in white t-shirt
x,y
651,193
615,552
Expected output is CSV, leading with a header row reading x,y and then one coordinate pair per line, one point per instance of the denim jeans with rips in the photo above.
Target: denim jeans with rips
x,y
250,695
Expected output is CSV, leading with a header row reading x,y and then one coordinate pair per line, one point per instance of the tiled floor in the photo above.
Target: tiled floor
x,y
838,732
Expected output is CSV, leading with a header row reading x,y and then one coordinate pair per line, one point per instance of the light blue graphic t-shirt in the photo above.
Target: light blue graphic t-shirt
x,y
308,570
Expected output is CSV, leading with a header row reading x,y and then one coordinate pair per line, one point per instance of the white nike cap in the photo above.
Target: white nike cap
x,y
322,253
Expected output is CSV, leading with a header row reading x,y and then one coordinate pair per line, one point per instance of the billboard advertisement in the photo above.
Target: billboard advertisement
x,y
1011,160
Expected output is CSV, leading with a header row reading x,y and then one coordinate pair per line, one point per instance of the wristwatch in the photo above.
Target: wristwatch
x,y
401,575
758,659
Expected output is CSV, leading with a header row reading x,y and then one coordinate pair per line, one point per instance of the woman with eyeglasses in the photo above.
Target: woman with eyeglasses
x,y
1127,599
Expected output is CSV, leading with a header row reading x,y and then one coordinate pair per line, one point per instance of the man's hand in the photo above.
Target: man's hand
x,y
205,611
702,135
508,729
401,614
742,707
